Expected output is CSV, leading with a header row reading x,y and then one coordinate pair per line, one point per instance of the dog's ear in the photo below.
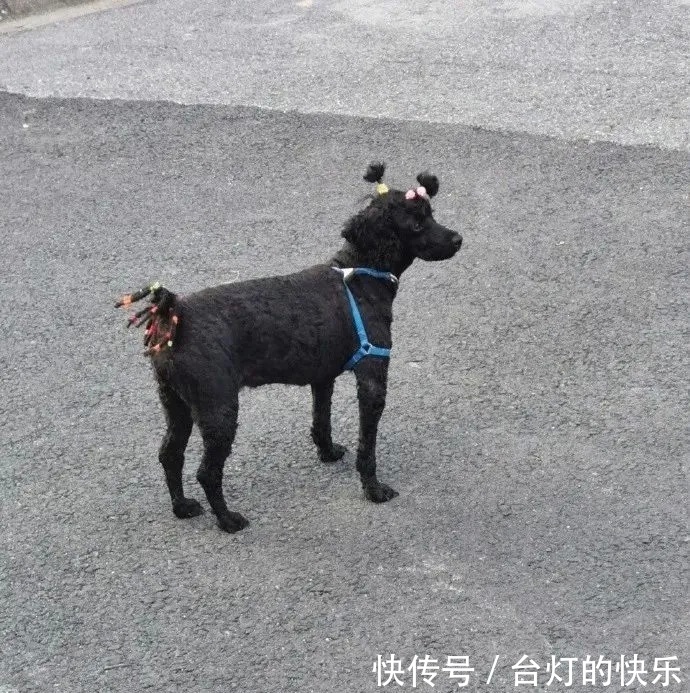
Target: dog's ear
x,y
372,234
430,183
363,229
375,172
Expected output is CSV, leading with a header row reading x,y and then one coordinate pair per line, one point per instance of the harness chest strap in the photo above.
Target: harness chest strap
x,y
366,348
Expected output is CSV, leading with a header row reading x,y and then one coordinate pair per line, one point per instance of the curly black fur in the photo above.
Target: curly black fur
x,y
430,183
295,329
375,173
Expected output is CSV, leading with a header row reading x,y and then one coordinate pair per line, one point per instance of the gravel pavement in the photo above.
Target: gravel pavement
x,y
536,425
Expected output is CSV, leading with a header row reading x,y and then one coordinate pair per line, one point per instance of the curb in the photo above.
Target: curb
x,y
13,9
23,15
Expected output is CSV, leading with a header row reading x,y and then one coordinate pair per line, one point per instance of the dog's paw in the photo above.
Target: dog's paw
x,y
187,507
380,493
232,522
333,454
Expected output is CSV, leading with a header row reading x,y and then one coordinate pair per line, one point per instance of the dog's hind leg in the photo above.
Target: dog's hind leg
x,y
321,427
171,453
218,426
372,375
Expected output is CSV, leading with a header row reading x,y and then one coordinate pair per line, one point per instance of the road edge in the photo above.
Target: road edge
x,y
44,12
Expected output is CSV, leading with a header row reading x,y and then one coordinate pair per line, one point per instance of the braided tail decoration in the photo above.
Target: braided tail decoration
x,y
158,317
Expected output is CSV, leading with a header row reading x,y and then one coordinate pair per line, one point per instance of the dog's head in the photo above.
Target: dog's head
x,y
399,226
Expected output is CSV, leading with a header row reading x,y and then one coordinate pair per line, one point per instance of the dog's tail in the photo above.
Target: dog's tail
x,y
160,317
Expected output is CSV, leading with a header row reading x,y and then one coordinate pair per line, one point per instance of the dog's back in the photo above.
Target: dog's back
x,y
293,329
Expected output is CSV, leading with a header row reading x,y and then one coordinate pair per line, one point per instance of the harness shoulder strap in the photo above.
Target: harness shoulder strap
x,y
366,348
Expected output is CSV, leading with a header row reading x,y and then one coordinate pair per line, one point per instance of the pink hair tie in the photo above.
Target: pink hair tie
x,y
419,192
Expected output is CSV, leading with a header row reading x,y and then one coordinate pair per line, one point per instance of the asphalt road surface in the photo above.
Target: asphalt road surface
x,y
536,425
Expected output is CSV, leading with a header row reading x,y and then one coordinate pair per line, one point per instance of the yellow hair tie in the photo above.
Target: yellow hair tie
x,y
381,188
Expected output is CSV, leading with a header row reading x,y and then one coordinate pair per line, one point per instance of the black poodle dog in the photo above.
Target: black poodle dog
x,y
301,329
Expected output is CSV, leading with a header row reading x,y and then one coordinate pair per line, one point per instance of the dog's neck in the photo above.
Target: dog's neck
x,y
350,256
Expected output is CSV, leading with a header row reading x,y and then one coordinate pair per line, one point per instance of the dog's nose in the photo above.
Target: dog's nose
x,y
457,241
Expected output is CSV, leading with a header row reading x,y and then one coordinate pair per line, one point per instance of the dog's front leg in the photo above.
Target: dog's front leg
x,y
372,375
321,427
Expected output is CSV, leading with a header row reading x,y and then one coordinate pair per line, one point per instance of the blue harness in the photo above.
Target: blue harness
x,y
366,348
